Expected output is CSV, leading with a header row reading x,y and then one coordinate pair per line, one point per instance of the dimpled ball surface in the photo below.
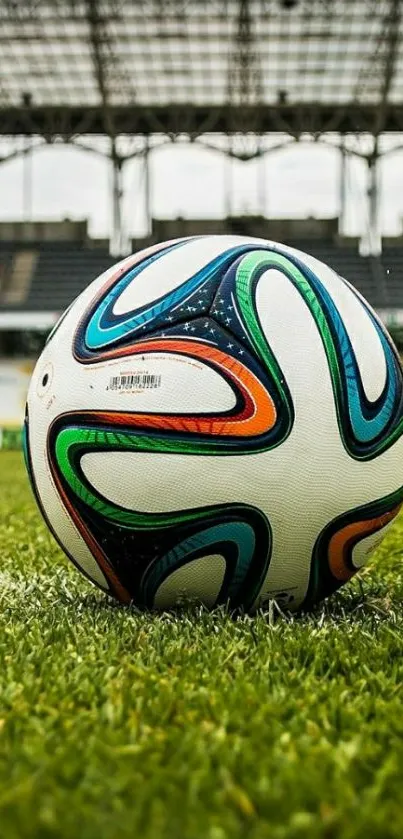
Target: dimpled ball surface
x,y
217,419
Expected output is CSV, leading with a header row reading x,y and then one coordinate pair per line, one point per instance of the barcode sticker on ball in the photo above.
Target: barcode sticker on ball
x,y
135,381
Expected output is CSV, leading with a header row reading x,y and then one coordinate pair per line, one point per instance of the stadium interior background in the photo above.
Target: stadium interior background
x,y
244,78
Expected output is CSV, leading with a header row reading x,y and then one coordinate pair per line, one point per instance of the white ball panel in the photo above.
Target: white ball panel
x,y
199,580
78,306
364,338
177,266
364,549
292,334
183,385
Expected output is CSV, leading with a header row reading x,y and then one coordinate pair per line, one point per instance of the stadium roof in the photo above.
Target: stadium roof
x,y
74,67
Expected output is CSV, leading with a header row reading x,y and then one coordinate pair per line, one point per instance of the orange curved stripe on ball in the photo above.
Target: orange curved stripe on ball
x,y
258,416
348,536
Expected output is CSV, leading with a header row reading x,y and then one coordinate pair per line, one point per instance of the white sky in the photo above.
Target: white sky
x,y
190,181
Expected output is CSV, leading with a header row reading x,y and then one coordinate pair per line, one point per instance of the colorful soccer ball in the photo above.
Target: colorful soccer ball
x,y
218,419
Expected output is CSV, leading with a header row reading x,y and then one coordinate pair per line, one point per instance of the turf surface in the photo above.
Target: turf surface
x,y
115,724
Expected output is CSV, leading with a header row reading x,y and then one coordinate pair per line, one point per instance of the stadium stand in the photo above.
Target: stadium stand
x,y
48,274
55,267
392,263
63,270
6,258
20,275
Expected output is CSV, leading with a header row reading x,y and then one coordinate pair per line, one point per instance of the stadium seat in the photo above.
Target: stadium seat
x,y
61,270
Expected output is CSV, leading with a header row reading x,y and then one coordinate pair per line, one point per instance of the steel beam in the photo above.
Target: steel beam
x,y
392,24
373,193
99,47
147,187
192,120
342,179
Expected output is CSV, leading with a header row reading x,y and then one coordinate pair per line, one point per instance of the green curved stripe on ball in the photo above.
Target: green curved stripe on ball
x,y
245,275
243,524
70,441
69,438
338,356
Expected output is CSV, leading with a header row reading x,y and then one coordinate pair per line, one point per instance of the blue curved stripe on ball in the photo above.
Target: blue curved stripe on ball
x,y
100,335
239,533
365,428
104,328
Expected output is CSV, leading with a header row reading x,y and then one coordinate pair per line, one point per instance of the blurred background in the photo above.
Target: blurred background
x,y
127,123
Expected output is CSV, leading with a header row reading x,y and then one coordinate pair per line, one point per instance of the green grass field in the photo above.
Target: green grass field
x,y
116,724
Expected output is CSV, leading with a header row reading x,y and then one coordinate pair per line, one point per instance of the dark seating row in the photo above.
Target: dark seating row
x,y
63,270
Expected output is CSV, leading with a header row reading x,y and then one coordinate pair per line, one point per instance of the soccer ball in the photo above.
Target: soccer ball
x,y
217,419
